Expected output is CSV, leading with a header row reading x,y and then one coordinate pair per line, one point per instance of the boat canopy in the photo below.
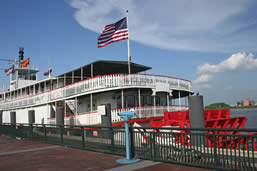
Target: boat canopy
x,y
104,67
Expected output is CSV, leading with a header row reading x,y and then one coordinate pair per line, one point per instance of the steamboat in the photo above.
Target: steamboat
x,y
78,93
73,99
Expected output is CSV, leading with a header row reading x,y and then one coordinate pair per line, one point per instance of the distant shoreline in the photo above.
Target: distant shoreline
x,y
222,105
243,107
236,107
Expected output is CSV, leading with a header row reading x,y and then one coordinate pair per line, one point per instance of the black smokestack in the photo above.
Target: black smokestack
x,y
21,54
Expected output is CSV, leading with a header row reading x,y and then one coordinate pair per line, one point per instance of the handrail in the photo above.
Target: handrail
x,y
196,147
150,128
94,78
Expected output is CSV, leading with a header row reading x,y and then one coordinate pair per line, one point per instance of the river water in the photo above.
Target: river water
x,y
251,114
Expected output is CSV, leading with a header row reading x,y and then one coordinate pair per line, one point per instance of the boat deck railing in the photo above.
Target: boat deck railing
x,y
94,118
96,84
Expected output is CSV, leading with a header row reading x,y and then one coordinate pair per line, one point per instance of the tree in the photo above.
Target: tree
x,y
217,106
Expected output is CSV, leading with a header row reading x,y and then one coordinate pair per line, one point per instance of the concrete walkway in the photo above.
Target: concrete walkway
x,y
19,155
135,166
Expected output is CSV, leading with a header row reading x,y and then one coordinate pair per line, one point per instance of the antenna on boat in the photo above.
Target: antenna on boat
x,y
49,70
8,60
49,73
3,86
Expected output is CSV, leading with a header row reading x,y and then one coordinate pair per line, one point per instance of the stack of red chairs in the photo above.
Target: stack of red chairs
x,y
217,118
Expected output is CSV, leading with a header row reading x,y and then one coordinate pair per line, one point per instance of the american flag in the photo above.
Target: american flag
x,y
9,70
113,33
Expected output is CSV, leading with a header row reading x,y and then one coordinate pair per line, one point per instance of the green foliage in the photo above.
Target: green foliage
x,y
243,107
226,106
217,106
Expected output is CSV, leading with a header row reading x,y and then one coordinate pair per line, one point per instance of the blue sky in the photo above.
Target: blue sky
x,y
211,43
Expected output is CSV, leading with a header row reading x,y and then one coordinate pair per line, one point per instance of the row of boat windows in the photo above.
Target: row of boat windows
x,y
131,101
23,92
24,75
28,91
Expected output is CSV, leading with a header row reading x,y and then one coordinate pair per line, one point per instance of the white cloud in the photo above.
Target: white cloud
x,y
236,62
202,82
202,79
199,25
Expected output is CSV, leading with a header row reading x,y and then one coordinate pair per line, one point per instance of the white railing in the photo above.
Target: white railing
x,y
98,83
93,118
90,118
146,111
51,121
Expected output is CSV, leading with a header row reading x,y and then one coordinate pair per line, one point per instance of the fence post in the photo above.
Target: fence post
x,y
61,134
132,149
153,145
83,137
112,139
31,131
215,150
13,130
20,131
45,132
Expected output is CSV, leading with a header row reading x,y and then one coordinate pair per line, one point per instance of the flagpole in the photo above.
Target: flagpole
x,y
3,91
129,58
49,75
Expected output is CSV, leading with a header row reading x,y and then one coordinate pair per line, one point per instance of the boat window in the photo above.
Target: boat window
x,y
170,100
148,100
94,106
130,101
36,90
33,76
157,100
42,88
119,103
22,75
52,112
163,100
54,84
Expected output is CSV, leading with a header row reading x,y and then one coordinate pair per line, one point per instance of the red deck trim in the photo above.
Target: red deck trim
x,y
151,106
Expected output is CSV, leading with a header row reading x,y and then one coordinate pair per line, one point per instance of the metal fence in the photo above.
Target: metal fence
x,y
222,149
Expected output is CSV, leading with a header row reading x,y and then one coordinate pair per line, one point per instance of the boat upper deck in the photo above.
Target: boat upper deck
x,y
96,77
